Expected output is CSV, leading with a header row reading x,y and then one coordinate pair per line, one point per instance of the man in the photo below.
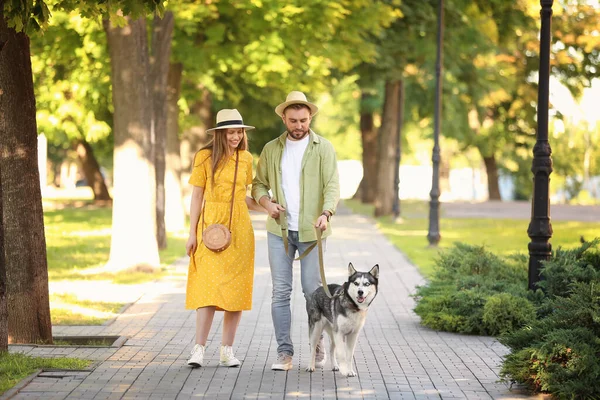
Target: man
x,y
300,170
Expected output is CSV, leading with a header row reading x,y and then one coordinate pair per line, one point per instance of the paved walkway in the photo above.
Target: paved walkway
x,y
396,358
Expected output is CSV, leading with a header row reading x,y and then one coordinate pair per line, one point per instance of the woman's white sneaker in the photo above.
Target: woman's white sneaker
x,y
227,357
196,356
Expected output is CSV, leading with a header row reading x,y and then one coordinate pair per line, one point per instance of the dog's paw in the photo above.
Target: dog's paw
x,y
351,373
335,368
310,369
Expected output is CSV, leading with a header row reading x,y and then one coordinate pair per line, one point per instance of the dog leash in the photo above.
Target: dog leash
x,y
319,244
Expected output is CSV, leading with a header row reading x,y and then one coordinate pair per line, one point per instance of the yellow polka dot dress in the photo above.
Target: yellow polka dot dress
x,y
223,279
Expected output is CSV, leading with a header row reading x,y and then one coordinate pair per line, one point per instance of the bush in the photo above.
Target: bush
x,y
560,352
465,279
553,334
504,312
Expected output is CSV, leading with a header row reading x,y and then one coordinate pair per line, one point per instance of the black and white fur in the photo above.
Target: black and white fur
x,y
341,316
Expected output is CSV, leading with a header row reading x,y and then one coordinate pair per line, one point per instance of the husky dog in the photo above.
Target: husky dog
x,y
342,316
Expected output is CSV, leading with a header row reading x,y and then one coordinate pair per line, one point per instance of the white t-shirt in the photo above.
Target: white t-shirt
x,y
291,168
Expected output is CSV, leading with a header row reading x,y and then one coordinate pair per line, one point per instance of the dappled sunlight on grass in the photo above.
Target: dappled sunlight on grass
x,y
78,235
502,236
68,309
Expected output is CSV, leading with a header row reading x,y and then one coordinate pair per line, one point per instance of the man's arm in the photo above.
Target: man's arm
x,y
261,186
331,180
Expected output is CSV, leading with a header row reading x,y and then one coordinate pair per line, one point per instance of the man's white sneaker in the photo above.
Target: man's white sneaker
x,y
283,363
196,356
227,357
321,356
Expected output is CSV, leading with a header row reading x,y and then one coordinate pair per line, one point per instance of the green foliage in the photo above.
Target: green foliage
x,y
475,291
32,16
504,312
250,54
571,266
559,351
72,86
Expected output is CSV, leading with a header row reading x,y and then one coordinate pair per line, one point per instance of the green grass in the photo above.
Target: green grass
x,y
78,238
16,366
64,310
501,236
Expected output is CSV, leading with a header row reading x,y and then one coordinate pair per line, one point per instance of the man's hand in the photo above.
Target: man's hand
x,y
321,222
274,209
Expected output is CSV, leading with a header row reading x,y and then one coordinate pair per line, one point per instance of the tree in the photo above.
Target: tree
x,y
133,241
25,252
160,52
3,305
174,209
73,94
399,47
388,142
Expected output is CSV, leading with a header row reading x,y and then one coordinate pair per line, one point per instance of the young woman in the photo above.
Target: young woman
x,y
221,281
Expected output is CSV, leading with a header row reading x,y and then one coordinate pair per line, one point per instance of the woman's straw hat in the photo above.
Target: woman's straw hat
x,y
227,118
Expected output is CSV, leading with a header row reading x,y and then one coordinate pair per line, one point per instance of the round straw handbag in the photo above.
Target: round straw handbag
x,y
216,237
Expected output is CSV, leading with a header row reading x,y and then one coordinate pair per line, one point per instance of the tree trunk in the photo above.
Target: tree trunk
x,y
396,206
3,307
91,170
159,71
388,139
492,177
368,185
174,209
133,242
23,220
195,137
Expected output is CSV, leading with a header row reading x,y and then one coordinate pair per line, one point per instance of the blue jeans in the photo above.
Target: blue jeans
x,y
282,277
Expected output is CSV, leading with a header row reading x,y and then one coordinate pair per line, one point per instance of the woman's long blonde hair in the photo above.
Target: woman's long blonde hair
x,y
219,147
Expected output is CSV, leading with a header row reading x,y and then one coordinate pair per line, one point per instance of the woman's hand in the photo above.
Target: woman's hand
x,y
191,245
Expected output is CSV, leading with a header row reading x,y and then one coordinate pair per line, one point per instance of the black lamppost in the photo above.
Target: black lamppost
x,y
434,205
540,228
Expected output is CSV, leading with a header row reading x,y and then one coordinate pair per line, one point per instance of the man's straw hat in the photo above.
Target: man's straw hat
x,y
296,97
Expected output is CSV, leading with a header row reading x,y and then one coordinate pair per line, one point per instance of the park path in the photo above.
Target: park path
x,y
396,357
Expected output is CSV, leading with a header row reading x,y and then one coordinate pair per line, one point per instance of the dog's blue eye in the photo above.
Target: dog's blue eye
x,y
355,283
367,284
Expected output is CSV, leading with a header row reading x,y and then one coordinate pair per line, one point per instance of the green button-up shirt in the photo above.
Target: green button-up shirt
x,y
319,183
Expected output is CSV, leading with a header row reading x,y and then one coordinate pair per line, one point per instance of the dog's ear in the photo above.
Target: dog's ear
x,y
351,270
375,271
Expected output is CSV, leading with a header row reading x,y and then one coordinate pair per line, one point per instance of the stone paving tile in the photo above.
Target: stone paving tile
x,y
395,358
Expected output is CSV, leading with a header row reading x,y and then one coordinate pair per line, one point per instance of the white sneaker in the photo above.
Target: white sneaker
x,y
283,363
227,357
321,356
196,356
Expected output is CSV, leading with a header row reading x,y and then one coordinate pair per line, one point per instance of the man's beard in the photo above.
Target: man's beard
x,y
298,134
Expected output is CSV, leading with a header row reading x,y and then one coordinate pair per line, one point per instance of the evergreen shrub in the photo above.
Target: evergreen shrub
x,y
560,351
463,294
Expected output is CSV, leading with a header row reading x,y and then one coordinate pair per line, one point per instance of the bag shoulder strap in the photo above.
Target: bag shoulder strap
x,y
237,158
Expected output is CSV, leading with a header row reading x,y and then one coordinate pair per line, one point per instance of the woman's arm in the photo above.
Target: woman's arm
x,y
195,209
254,206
